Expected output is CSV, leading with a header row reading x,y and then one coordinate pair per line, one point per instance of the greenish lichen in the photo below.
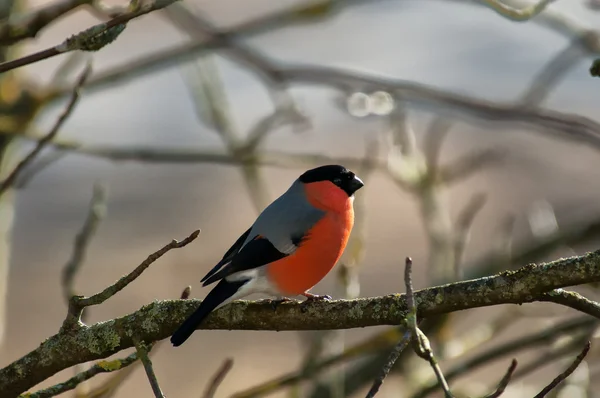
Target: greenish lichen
x,y
110,366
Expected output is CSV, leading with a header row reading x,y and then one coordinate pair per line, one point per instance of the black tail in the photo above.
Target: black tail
x,y
221,292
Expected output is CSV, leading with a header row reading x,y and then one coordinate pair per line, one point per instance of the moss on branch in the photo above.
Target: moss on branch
x,y
159,319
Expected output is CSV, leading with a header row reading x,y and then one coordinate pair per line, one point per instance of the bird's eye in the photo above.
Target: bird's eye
x,y
337,181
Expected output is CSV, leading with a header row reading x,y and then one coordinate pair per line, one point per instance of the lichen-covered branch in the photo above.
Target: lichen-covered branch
x,y
100,367
91,39
159,319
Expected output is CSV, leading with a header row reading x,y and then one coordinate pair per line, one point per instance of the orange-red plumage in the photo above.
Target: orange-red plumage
x,y
324,245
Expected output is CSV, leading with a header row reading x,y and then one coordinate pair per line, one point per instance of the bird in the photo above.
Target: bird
x,y
291,246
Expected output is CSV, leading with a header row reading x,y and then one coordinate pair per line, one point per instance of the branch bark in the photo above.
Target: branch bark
x,y
159,319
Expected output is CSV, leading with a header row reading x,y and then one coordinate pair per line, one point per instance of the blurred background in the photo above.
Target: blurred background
x,y
542,183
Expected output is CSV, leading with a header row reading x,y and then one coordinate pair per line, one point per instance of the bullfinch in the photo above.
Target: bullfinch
x,y
291,246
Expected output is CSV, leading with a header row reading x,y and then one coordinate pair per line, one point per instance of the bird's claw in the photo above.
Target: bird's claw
x,y
310,298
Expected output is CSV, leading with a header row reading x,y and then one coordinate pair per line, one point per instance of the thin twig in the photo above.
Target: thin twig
x,y
567,372
420,342
528,342
394,355
504,381
77,303
218,378
12,177
142,351
376,343
573,300
463,228
73,382
110,291
96,212
90,39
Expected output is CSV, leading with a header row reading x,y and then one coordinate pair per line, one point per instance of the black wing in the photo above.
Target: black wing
x,y
258,252
229,254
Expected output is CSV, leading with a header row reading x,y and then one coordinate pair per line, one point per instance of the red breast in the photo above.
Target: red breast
x,y
324,245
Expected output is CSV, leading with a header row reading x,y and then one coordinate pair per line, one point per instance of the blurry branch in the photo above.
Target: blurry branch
x,y
75,93
19,27
36,167
96,213
200,28
376,343
529,342
301,14
218,378
551,74
394,355
409,335
422,346
158,320
567,372
91,39
142,351
78,303
515,14
563,125
463,229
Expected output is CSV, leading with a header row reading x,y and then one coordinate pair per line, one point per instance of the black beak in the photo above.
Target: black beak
x,y
356,184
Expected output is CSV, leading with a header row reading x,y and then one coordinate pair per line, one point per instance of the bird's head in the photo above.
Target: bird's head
x,y
332,185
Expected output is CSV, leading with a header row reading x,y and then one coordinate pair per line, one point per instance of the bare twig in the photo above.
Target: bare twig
x,y
35,168
142,351
504,381
573,300
463,227
394,355
218,378
77,303
420,341
126,280
411,321
96,213
376,343
567,372
528,342
12,177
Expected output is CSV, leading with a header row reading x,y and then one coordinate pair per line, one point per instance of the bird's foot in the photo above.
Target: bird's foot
x,y
276,302
310,298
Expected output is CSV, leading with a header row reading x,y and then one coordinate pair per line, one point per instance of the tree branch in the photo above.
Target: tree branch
x,y
91,39
142,351
566,373
75,92
78,303
19,27
159,320
516,14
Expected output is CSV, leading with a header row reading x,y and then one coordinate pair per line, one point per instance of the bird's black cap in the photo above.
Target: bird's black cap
x,y
339,175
